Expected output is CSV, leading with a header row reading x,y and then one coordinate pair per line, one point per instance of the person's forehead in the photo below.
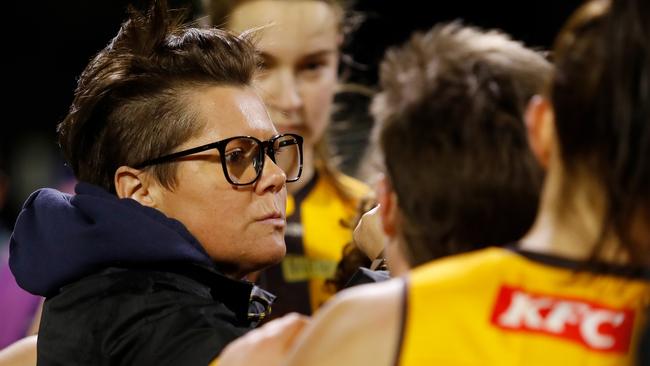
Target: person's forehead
x,y
227,111
288,25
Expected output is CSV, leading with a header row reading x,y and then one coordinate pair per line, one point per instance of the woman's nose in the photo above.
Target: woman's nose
x,y
283,91
273,178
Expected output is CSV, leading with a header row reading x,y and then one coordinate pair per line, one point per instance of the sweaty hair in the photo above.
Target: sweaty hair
x,y
132,100
601,100
450,119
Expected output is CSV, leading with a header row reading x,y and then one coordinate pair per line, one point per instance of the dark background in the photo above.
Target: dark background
x,y
46,45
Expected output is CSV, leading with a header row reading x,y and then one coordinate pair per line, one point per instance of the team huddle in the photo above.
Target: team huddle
x,y
509,195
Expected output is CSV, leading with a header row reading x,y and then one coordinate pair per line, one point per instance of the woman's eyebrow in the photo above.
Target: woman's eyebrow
x,y
269,58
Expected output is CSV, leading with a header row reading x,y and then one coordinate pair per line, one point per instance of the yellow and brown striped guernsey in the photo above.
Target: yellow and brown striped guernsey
x,y
503,307
315,238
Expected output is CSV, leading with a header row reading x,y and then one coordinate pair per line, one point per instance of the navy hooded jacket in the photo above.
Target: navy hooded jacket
x,y
124,283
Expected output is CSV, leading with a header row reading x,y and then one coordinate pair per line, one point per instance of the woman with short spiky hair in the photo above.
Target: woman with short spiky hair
x,y
182,193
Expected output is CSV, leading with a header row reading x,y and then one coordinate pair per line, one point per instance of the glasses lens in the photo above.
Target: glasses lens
x,y
287,156
242,160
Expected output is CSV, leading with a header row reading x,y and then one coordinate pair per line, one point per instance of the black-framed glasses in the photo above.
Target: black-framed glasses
x,y
242,157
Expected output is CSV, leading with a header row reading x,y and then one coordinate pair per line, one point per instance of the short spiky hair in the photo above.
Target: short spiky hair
x,y
131,101
450,118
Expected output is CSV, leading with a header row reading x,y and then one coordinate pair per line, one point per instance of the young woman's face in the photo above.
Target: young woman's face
x,y
300,50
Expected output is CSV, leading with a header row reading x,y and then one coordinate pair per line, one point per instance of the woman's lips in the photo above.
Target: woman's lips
x,y
273,218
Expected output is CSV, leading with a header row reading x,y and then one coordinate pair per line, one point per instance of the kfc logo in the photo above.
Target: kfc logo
x,y
594,326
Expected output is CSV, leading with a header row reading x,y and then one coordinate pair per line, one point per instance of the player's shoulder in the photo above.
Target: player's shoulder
x,y
360,325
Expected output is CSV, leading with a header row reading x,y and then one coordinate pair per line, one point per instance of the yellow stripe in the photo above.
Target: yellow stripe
x,y
324,236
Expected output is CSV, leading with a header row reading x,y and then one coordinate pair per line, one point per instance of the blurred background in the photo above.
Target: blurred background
x,y
46,45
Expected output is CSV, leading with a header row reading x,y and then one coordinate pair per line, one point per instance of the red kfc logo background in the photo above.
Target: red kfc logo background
x,y
589,324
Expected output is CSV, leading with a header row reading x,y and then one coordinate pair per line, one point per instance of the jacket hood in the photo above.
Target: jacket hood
x,y
59,238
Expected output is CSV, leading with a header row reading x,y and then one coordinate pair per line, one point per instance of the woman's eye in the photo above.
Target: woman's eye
x,y
313,66
234,156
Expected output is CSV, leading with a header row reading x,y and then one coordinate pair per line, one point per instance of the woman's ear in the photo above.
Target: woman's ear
x,y
539,119
135,184
387,200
